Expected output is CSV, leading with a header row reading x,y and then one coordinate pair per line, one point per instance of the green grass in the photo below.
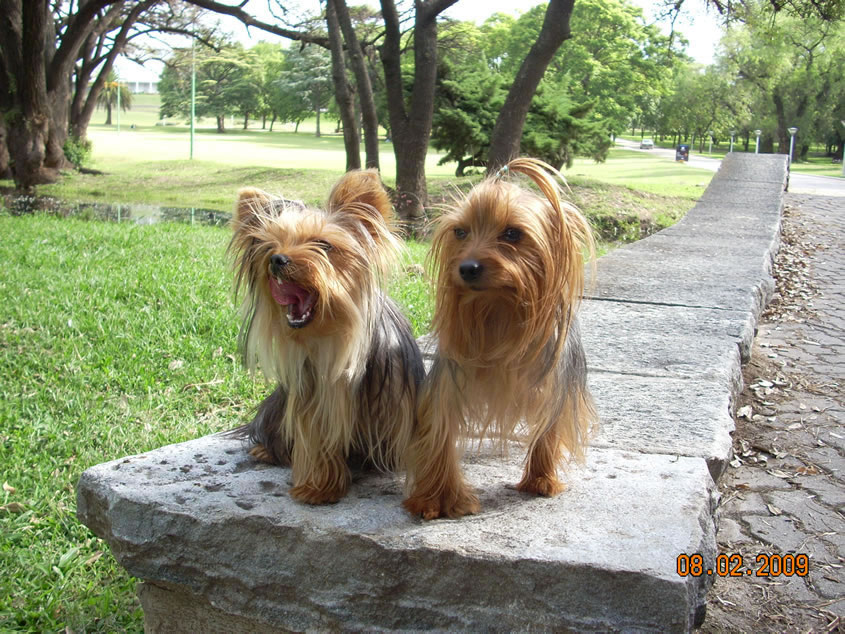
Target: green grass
x,y
818,164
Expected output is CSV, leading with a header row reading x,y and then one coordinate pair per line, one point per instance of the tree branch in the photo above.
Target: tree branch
x,y
249,20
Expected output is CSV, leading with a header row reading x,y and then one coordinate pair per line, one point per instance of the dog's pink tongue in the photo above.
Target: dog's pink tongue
x,y
286,293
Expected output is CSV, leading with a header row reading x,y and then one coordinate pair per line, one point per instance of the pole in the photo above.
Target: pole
x,y
842,121
118,106
792,132
193,97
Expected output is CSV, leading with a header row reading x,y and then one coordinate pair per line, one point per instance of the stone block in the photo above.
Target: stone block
x,y
665,415
203,519
656,340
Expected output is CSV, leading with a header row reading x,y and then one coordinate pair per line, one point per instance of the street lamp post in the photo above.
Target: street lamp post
x,y
757,145
733,134
842,121
792,132
193,97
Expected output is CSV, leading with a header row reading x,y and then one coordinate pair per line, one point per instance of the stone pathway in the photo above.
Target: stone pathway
x,y
784,492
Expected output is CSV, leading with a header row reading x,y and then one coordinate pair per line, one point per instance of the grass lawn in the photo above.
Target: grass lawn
x,y
116,339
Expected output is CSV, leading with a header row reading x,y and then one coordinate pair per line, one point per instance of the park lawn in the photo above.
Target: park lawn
x,y
150,166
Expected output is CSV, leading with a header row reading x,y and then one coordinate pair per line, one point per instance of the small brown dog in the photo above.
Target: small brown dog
x,y
317,321
510,274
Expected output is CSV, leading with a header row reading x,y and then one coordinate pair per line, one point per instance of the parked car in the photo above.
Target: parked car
x,y
646,144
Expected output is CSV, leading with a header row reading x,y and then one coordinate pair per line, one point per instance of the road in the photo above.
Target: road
x,y
798,183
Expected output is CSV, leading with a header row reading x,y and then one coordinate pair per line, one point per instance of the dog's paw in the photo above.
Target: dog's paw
x,y
309,494
541,485
452,504
260,452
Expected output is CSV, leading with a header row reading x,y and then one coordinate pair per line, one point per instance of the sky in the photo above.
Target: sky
x,y
698,26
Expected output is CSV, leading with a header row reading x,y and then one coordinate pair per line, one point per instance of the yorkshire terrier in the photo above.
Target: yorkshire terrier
x,y
317,321
509,268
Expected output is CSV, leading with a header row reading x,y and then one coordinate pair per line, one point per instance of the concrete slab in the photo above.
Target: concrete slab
x,y
673,273
745,168
666,415
650,340
204,519
719,221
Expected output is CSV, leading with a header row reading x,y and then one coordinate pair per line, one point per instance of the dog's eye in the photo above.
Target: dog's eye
x,y
460,233
511,234
325,246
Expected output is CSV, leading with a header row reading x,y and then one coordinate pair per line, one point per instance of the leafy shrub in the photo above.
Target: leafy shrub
x,y
77,151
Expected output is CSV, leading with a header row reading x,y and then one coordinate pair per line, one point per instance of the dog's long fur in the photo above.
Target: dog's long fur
x,y
316,321
509,268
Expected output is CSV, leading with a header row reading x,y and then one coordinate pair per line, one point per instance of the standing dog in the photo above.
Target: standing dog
x,y
317,321
510,274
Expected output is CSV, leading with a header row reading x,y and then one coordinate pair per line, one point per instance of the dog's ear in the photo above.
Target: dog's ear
x,y
251,203
361,188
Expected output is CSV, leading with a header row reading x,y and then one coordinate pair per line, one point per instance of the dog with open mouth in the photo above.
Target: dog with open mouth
x,y
317,321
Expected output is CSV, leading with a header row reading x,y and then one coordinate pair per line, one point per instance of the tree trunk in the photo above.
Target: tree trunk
x,y
507,133
108,114
37,113
411,129
272,121
221,123
32,155
84,100
317,110
343,96
369,116
246,120
5,170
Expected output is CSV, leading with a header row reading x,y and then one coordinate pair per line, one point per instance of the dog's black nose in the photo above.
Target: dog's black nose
x,y
279,261
470,270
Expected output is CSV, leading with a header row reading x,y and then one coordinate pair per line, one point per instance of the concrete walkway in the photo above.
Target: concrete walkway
x,y
799,183
784,491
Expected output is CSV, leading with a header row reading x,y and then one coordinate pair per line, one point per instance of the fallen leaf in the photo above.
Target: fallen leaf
x,y
744,412
13,507
8,488
175,365
779,474
811,470
773,509
93,558
793,426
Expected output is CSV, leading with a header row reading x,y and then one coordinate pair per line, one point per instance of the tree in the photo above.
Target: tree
x,y
411,114
34,106
225,83
108,97
343,91
505,141
794,66
366,99
308,71
55,58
